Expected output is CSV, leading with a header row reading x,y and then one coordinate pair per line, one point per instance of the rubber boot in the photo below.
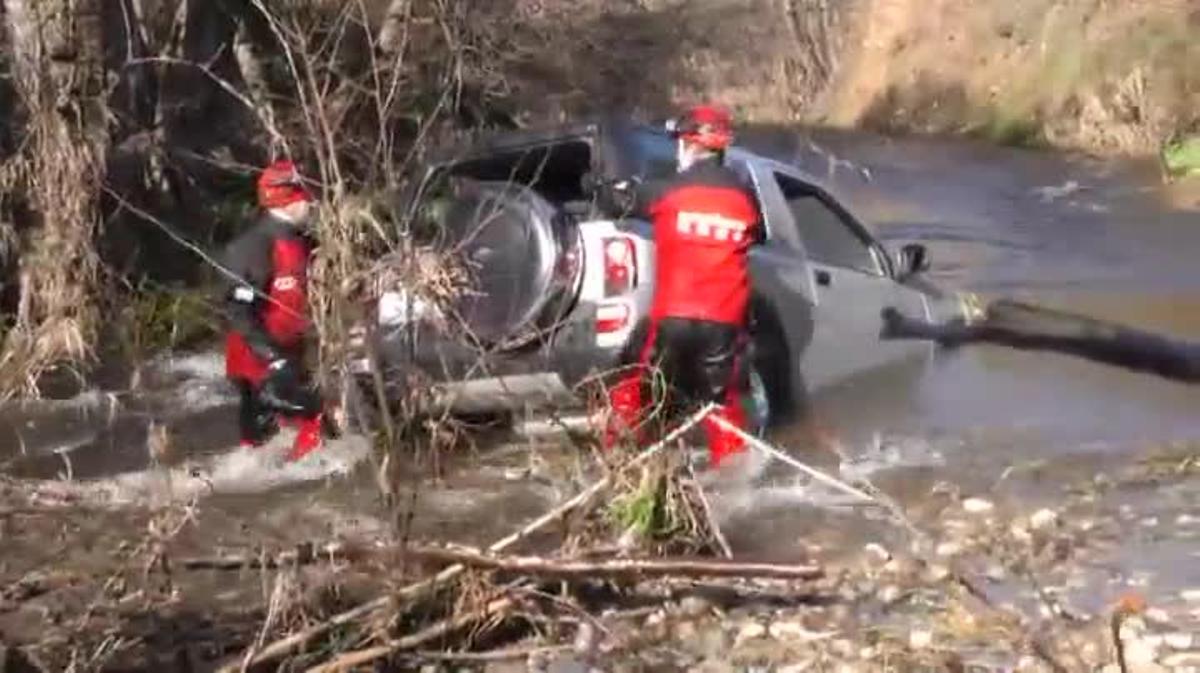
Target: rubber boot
x,y
625,404
308,438
723,443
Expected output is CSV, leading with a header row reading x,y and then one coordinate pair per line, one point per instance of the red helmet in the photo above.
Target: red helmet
x,y
281,185
709,126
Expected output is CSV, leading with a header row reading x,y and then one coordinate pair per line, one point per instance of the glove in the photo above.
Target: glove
x,y
282,392
619,195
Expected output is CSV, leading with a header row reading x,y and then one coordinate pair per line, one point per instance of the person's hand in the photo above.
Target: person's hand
x,y
282,392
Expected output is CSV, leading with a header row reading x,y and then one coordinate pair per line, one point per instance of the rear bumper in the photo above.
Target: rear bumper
x,y
465,378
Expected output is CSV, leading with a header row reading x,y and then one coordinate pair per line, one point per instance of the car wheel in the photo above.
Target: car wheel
x,y
756,403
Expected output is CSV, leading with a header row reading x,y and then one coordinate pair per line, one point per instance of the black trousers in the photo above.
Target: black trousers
x,y
256,421
698,359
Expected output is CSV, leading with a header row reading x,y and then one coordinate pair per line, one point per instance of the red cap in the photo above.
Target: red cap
x,y
709,126
281,185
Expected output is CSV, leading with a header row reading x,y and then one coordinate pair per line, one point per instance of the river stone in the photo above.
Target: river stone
x,y
686,632
749,631
1190,595
890,594
920,639
877,553
937,572
695,606
1043,519
949,549
977,506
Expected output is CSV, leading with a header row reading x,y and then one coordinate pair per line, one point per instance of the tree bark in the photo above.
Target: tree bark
x,y
57,52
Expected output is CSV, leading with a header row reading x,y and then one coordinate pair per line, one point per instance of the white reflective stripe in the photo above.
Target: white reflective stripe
x,y
285,283
711,225
244,294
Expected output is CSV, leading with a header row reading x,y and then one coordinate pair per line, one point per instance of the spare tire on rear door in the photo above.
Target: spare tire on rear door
x,y
520,254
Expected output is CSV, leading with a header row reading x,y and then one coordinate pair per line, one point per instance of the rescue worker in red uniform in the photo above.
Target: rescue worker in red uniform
x,y
705,220
267,307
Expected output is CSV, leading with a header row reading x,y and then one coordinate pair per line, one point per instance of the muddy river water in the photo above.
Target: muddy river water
x,y
1015,428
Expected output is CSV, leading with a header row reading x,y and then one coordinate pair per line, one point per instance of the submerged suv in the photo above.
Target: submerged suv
x,y
560,280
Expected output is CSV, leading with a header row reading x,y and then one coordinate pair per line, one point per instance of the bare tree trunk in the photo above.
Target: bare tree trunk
x,y
395,24
256,83
57,55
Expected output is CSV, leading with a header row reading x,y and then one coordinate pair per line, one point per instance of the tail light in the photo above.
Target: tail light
x,y
611,318
620,265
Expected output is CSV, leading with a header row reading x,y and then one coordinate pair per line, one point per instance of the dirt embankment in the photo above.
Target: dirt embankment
x,y
1098,75
1107,77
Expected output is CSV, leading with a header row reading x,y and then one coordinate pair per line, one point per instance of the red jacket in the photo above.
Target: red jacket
x,y
268,304
705,220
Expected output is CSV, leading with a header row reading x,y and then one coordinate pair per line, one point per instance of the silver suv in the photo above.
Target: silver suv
x,y
563,281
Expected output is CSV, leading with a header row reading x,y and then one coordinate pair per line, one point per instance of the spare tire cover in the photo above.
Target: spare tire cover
x,y
504,235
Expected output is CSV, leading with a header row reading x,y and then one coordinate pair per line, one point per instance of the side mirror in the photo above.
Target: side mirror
x,y
912,259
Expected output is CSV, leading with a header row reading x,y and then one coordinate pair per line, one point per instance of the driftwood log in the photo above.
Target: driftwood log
x,y
614,568
1027,327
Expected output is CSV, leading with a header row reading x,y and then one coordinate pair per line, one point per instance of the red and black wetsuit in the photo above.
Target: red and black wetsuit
x,y
705,220
268,313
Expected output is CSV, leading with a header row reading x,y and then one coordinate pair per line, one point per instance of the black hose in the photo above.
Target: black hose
x,y
1027,327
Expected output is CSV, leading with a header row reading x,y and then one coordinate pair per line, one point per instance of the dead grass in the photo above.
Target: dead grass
x,y
1112,78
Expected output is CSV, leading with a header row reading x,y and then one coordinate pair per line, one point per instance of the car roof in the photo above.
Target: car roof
x,y
509,140
503,141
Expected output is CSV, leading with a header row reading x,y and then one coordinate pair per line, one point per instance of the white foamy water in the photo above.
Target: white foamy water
x,y
752,490
238,471
209,365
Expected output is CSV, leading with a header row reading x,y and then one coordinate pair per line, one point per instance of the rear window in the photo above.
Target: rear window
x,y
554,171
648,154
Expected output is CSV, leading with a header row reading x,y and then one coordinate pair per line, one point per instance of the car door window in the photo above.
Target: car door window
x,y
827,237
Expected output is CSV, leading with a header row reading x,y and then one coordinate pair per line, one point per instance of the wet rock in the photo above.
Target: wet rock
x,y
585,639
949,549
977,506
1020,533
1030,664
1043,520
686,631
996,572
937,572
842,648
877,554
749,631
890,594
920,639
695,606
